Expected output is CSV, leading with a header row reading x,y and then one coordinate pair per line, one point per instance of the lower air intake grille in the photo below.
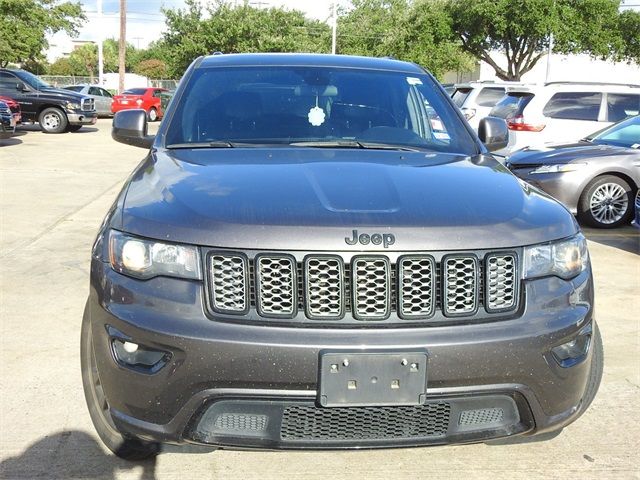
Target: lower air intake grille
x,y
365,423
482,416
240,422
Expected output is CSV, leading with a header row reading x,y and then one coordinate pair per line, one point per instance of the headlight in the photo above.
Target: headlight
x,y
565,259
73,106
559,168
144,259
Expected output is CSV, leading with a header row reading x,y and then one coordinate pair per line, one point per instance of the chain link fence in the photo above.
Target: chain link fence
x,y
63,81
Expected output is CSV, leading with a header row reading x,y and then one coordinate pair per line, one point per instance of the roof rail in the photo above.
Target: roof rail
x,y
569,82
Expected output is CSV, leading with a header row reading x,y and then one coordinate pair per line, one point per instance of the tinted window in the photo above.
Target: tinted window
x,y
574,106
74,88
624,134
621,106
135,91
105,93
460,95
489,96
157,93
282,105
95,91
8,82
511,104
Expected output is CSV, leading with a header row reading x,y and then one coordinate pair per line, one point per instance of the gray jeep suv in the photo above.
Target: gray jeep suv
x,y
319,252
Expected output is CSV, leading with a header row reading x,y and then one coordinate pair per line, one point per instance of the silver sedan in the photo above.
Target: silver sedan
x,y
101,96
595,178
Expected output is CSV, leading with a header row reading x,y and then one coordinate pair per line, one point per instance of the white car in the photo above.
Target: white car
x,y
102,97
476,99
563,111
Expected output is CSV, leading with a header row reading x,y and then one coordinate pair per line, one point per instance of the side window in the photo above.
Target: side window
x,y
489,96
621,106
8,82
105,93
95,91
157,93
574,106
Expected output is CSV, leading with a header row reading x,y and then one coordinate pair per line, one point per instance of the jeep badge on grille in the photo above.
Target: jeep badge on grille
x,y
386,239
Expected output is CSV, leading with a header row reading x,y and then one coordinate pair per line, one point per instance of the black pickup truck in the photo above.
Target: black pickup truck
x,y
56,110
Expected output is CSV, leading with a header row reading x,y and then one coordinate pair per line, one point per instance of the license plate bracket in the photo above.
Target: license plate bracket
x,y
372,378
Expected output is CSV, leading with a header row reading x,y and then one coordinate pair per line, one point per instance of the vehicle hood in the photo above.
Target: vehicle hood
x,y
565,153
58,93
313,199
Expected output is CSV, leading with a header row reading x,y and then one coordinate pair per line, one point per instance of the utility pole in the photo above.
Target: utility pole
x,y
100,52
122,44
549,51
334,27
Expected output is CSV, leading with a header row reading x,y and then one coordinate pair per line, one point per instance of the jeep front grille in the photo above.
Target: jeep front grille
x,y
460,285
359,288
229,286
371,288
501,287
276,285
324,279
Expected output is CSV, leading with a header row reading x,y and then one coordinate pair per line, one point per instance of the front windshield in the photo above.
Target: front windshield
x,y
32,80
623,134
324,105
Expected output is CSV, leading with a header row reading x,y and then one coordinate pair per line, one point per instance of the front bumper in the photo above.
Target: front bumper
x,y
220,365
82,118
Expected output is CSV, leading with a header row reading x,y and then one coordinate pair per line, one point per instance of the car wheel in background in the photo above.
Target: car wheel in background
x,y
52,120
606,202
152,115
123,447
74,128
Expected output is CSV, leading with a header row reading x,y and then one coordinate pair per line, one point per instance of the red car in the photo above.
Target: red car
x,y
14,107
149,99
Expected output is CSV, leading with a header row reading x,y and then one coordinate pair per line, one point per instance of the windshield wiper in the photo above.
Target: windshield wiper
x,y
354,144
215,144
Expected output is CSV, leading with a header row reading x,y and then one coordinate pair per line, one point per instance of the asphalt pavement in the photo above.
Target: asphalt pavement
x,y
54,191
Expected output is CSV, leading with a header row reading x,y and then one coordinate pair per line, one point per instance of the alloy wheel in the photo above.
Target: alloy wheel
x,y
608,203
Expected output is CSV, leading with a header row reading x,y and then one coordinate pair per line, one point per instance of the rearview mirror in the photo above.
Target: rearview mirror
x,y
130,128
21,87
493,132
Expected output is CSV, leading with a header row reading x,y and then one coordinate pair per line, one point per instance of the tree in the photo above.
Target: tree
x,y
24,25
151,68
231,29
62,66
522,29
418,31
629,27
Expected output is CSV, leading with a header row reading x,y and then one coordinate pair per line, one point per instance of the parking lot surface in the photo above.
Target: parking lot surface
x,y
54,191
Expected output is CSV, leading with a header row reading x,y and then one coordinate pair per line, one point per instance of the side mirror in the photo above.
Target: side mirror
x,y
21,87
130,128
493,132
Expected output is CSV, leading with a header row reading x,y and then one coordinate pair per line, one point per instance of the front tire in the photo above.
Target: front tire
x,y
53,120
607,202
152,115
121,446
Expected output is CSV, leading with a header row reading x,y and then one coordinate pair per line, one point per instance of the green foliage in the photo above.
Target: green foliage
x,y
233,29
151,68
521,30
418,31
24,25
629,28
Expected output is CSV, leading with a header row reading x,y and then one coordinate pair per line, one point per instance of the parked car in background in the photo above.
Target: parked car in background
x,y
56,110
636,220
102,97
14,107
148,99
476,99
563,111
7,121
595,178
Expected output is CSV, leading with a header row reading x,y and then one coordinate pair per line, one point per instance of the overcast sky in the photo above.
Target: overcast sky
x,y
145,21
